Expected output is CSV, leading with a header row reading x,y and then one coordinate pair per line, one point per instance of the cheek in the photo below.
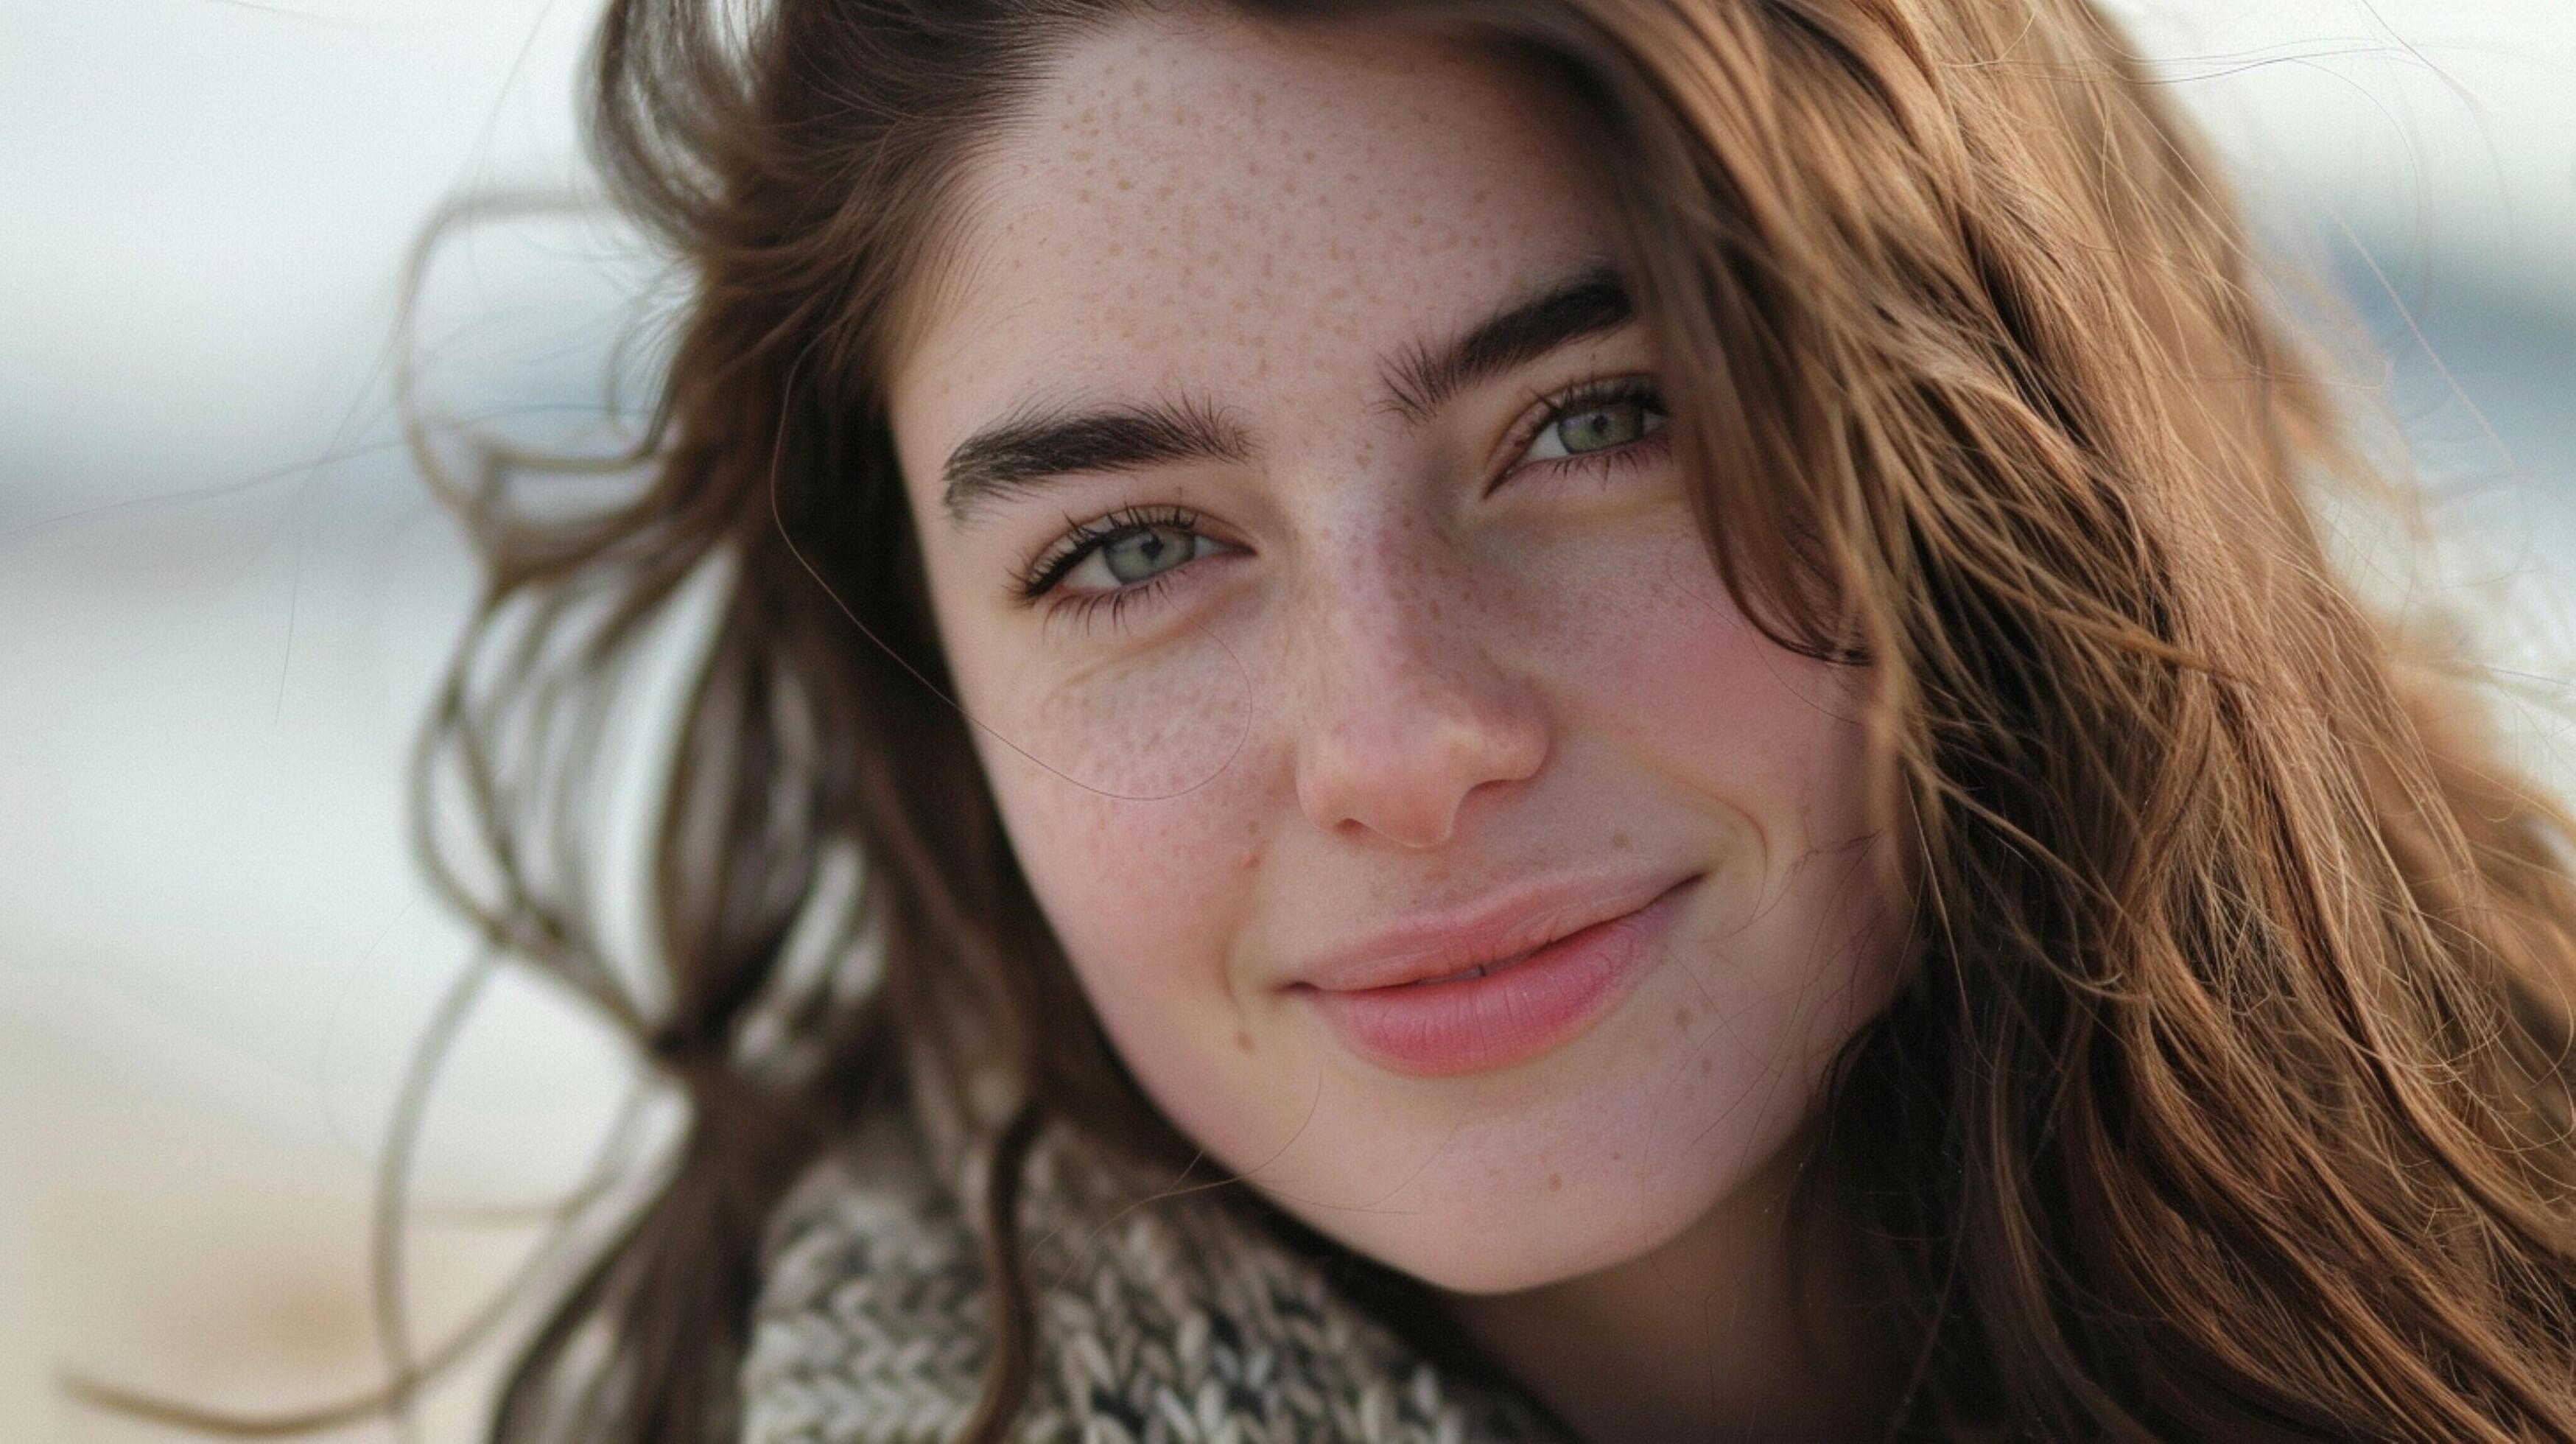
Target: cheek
x,y
1137,823
1121,782
1804,921
1161,733
1163,726
1133,884
1147,900
1659,657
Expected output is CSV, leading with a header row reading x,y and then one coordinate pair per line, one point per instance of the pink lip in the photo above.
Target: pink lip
x,y
1564,963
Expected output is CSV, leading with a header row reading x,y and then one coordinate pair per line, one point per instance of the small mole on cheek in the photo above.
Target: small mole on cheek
x,y
1619,841
1554,1183
1681,1017
1243,1039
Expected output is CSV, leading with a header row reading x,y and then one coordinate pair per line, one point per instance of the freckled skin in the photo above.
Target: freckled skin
x,y
1399,687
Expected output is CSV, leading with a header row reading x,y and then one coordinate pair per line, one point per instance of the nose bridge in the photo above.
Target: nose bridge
x,y
1408,710
1389,599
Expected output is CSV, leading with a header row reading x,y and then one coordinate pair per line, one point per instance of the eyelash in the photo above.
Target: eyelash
x,y
1081,541
1084,538
1575,400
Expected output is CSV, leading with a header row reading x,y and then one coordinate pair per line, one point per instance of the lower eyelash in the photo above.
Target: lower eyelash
x,y
1637,390
1087,537
1617,459
1084,608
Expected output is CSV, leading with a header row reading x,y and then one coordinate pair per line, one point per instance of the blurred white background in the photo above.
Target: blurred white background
x,y
224,595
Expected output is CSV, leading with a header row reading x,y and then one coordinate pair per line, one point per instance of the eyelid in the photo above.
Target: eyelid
x,y
1104,608
1045,571
1545,411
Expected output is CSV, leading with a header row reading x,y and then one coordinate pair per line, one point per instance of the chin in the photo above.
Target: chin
x,y
1519,1260
1511,1270
1490,1246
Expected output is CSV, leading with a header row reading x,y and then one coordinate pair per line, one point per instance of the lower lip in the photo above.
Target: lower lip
x,y
1474,1025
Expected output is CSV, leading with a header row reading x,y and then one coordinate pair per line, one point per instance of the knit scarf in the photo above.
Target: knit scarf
x,y
1159,1319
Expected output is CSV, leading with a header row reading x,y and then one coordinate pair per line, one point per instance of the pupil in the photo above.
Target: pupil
x,y
1605,425
1141,553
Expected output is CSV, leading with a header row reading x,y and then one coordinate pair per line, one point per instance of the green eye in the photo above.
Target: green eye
x,y
1145,553
1117,554
1598,419
1594,428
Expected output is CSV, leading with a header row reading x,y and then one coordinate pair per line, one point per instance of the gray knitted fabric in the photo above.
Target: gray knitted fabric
x,y
1158,1322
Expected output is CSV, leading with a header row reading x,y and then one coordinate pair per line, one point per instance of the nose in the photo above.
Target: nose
x,y
1409,715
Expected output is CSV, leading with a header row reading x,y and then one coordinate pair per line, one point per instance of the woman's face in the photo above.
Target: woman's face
x,y
1307,546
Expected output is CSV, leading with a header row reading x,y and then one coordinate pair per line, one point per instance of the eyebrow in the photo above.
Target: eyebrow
x,y
1026,450
1587,304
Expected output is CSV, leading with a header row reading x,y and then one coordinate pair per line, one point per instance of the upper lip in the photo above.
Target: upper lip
x,y
1504,927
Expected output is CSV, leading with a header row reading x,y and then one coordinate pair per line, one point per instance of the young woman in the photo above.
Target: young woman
x,y
1514,719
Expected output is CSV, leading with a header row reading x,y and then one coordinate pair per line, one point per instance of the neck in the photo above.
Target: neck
x,y
1716,1334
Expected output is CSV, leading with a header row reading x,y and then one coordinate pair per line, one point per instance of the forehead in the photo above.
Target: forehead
x,y
1245,210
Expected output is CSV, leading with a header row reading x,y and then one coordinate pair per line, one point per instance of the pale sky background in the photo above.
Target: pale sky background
x,y
224,596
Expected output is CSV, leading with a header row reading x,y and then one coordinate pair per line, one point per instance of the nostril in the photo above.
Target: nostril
x,y
1405,774
1404,720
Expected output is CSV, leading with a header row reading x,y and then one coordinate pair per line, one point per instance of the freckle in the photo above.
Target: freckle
x,y
1554,1183
1243,1039
1704,1066
1619,842
1616,1155
1681,1017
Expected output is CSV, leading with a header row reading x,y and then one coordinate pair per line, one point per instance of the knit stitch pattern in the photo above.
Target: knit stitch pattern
x,y
1159,1321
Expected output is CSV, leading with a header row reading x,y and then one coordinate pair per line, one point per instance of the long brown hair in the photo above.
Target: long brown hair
x,y
2229,1093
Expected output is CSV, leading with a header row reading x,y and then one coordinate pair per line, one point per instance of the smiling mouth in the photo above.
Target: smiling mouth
x,y
1506,1010
1466,947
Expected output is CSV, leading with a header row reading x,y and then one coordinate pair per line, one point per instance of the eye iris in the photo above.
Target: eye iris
x,y
1137,555
1607,424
